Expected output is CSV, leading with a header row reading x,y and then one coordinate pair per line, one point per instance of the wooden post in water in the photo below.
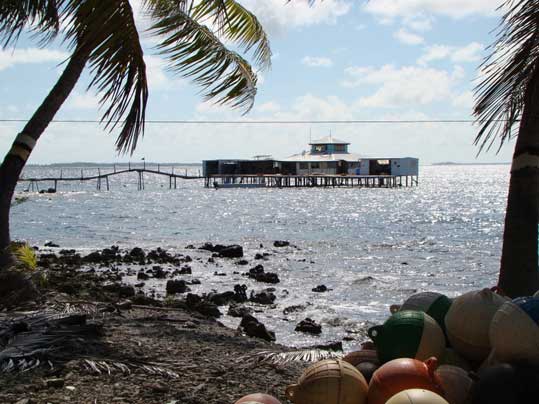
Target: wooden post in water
x,y
107,179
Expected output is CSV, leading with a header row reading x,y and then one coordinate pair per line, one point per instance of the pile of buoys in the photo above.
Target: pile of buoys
x,y
478,348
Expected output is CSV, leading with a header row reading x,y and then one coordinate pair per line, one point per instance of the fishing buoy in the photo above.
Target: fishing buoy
x,y
456,384
329,382
402,374
364,360
408,334
452,358
258,398
499,384
417,396
434,304
514,331
468,321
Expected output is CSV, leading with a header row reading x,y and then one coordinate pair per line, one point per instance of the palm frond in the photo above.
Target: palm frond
x,y
237,24
107,30
283,358
508,71
40,16
194,51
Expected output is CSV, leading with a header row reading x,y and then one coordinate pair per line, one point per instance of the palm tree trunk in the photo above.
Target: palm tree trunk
x,y
519,272
14,162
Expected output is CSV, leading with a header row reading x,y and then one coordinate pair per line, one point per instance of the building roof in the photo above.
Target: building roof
x,y
308,157
328,140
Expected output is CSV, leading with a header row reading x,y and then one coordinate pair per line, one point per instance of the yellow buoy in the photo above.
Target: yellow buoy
x,y
456,384
468,320
416,396
329,382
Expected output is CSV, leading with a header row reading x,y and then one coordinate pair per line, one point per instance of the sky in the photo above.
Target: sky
x,y
338,60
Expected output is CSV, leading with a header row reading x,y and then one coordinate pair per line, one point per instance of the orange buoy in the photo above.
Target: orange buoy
x,y
408,334
514,332
468,321
258,398
402,374
417,396
456,384
329,381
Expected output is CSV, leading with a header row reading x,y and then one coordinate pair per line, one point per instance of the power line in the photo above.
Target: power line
x,y
282,122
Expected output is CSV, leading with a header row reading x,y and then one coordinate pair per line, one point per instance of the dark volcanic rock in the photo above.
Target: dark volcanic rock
x,y
143,276
177,286
263,297
309,326
51,244
121,290
227,251
220,299
232,251
293,309
281,243
242,262
320,288
254,328
257,273
236,310
186,270
240,293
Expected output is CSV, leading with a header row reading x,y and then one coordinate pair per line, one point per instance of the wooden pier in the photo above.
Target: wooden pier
x,y
301,181
102,178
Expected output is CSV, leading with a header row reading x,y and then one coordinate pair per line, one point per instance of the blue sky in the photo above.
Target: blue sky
x,y
338,60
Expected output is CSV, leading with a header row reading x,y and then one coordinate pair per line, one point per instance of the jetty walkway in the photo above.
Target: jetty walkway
x,y
101,177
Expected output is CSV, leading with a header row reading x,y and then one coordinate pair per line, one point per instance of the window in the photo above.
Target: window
x,y
315,165
319,148
340,147
303,166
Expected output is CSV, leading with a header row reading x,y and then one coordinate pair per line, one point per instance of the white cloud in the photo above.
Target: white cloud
x,y
467,53
404,86
408,38
419,22
278,16
82,101
464,100
158,79
12,57
313,61
391,9
270,106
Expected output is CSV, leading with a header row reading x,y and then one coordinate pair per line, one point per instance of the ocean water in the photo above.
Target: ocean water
x,y
371,247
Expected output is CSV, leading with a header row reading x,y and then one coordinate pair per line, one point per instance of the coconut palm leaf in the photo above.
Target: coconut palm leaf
x,y
106,29
193,50
507,72
284,358
237,24
40,16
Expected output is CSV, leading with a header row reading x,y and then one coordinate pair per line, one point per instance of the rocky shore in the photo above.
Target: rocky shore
x,y
148,345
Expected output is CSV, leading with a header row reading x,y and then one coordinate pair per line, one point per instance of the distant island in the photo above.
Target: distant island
x,y
83,164
452,163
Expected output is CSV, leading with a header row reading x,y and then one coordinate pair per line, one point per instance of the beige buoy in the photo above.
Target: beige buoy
x,y
468,320
416,396
514,333
258,398
456,384
329,382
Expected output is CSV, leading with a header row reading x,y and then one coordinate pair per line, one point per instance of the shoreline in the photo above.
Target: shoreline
x,y
193,357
